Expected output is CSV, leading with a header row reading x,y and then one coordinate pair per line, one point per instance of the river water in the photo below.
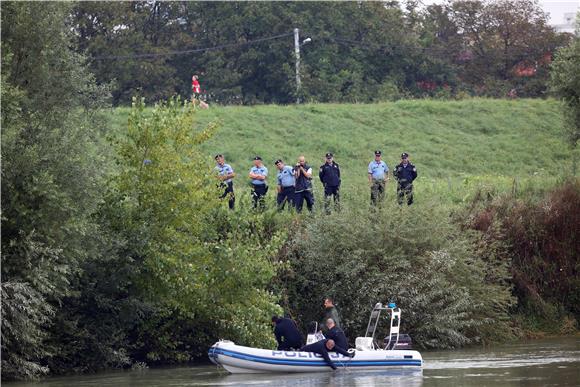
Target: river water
x,y
547,362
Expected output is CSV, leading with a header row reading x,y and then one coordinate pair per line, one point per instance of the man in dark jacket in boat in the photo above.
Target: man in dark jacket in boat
x,y
336,334
287,334
322,347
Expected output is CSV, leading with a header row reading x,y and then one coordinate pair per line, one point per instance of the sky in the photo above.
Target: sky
x,y
556,8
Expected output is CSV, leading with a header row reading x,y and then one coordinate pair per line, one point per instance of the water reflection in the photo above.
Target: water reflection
x,y
344,377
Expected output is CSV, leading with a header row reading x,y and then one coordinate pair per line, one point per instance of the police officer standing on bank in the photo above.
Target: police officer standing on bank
x,y
226,175
258,174
285,187
378,177
303,187
405,173
329,175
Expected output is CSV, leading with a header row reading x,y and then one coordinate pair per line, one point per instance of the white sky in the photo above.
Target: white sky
x,y
555,8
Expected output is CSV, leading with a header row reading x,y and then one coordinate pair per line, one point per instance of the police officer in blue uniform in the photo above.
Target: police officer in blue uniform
x,y
405,173
378,177
329,175
336,334
286,182
258,174
226,175
303,187
287,334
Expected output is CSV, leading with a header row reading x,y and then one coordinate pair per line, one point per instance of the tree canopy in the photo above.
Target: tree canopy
x,y
359,51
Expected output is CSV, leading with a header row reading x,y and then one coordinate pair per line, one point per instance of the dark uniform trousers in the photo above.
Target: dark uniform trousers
x,y
300,197
405,189
229,191
258,193
333,191
320,348
286,195
377,191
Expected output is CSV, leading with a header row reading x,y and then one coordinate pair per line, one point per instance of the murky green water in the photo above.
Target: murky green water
x,y
550,362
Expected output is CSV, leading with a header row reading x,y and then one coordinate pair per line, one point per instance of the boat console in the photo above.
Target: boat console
x,y
394,340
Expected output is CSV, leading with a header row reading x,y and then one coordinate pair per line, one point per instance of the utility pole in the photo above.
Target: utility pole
x,y
297,53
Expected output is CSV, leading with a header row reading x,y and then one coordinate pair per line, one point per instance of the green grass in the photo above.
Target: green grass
x,y
456,145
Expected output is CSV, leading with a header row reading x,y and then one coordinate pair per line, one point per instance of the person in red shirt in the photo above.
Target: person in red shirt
x,y
196,93
195,86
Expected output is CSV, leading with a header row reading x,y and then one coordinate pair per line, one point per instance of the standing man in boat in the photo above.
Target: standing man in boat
x,y
330,312
226,175
405,173
258,174
322,347
287,334
336,334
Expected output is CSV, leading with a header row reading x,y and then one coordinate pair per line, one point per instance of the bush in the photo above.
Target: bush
x,y
414,256
540,234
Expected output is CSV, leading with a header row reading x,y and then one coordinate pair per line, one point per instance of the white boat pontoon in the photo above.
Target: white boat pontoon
x,y
371,354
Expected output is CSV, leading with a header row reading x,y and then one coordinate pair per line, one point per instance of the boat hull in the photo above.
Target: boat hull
x,y
238,359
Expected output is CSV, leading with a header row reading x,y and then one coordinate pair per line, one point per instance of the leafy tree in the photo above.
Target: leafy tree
x,y
565,83
505,44
198,264
52,168
360,51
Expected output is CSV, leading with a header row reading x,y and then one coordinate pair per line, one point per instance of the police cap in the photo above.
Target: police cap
x,y
378,153
258,158
329,155
277,162
218,156
404,155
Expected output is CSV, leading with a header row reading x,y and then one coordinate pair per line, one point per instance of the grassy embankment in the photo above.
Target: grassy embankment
x,y
456,145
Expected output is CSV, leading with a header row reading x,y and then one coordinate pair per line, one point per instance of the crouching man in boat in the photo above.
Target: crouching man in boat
x,y
322,347
336,334
287,334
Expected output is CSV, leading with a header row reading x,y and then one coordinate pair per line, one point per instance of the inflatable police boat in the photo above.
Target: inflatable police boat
x,y
394,352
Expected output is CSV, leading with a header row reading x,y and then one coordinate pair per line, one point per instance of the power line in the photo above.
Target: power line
x,y
391,47
229,45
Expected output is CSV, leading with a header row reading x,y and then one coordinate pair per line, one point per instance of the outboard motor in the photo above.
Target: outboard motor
x,y
405,342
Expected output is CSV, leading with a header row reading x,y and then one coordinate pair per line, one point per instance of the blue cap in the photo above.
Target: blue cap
x,y
392,305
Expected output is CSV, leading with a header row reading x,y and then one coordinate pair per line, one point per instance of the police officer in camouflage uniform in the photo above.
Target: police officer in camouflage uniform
x,y
378,177
226,175
329,175
405,173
